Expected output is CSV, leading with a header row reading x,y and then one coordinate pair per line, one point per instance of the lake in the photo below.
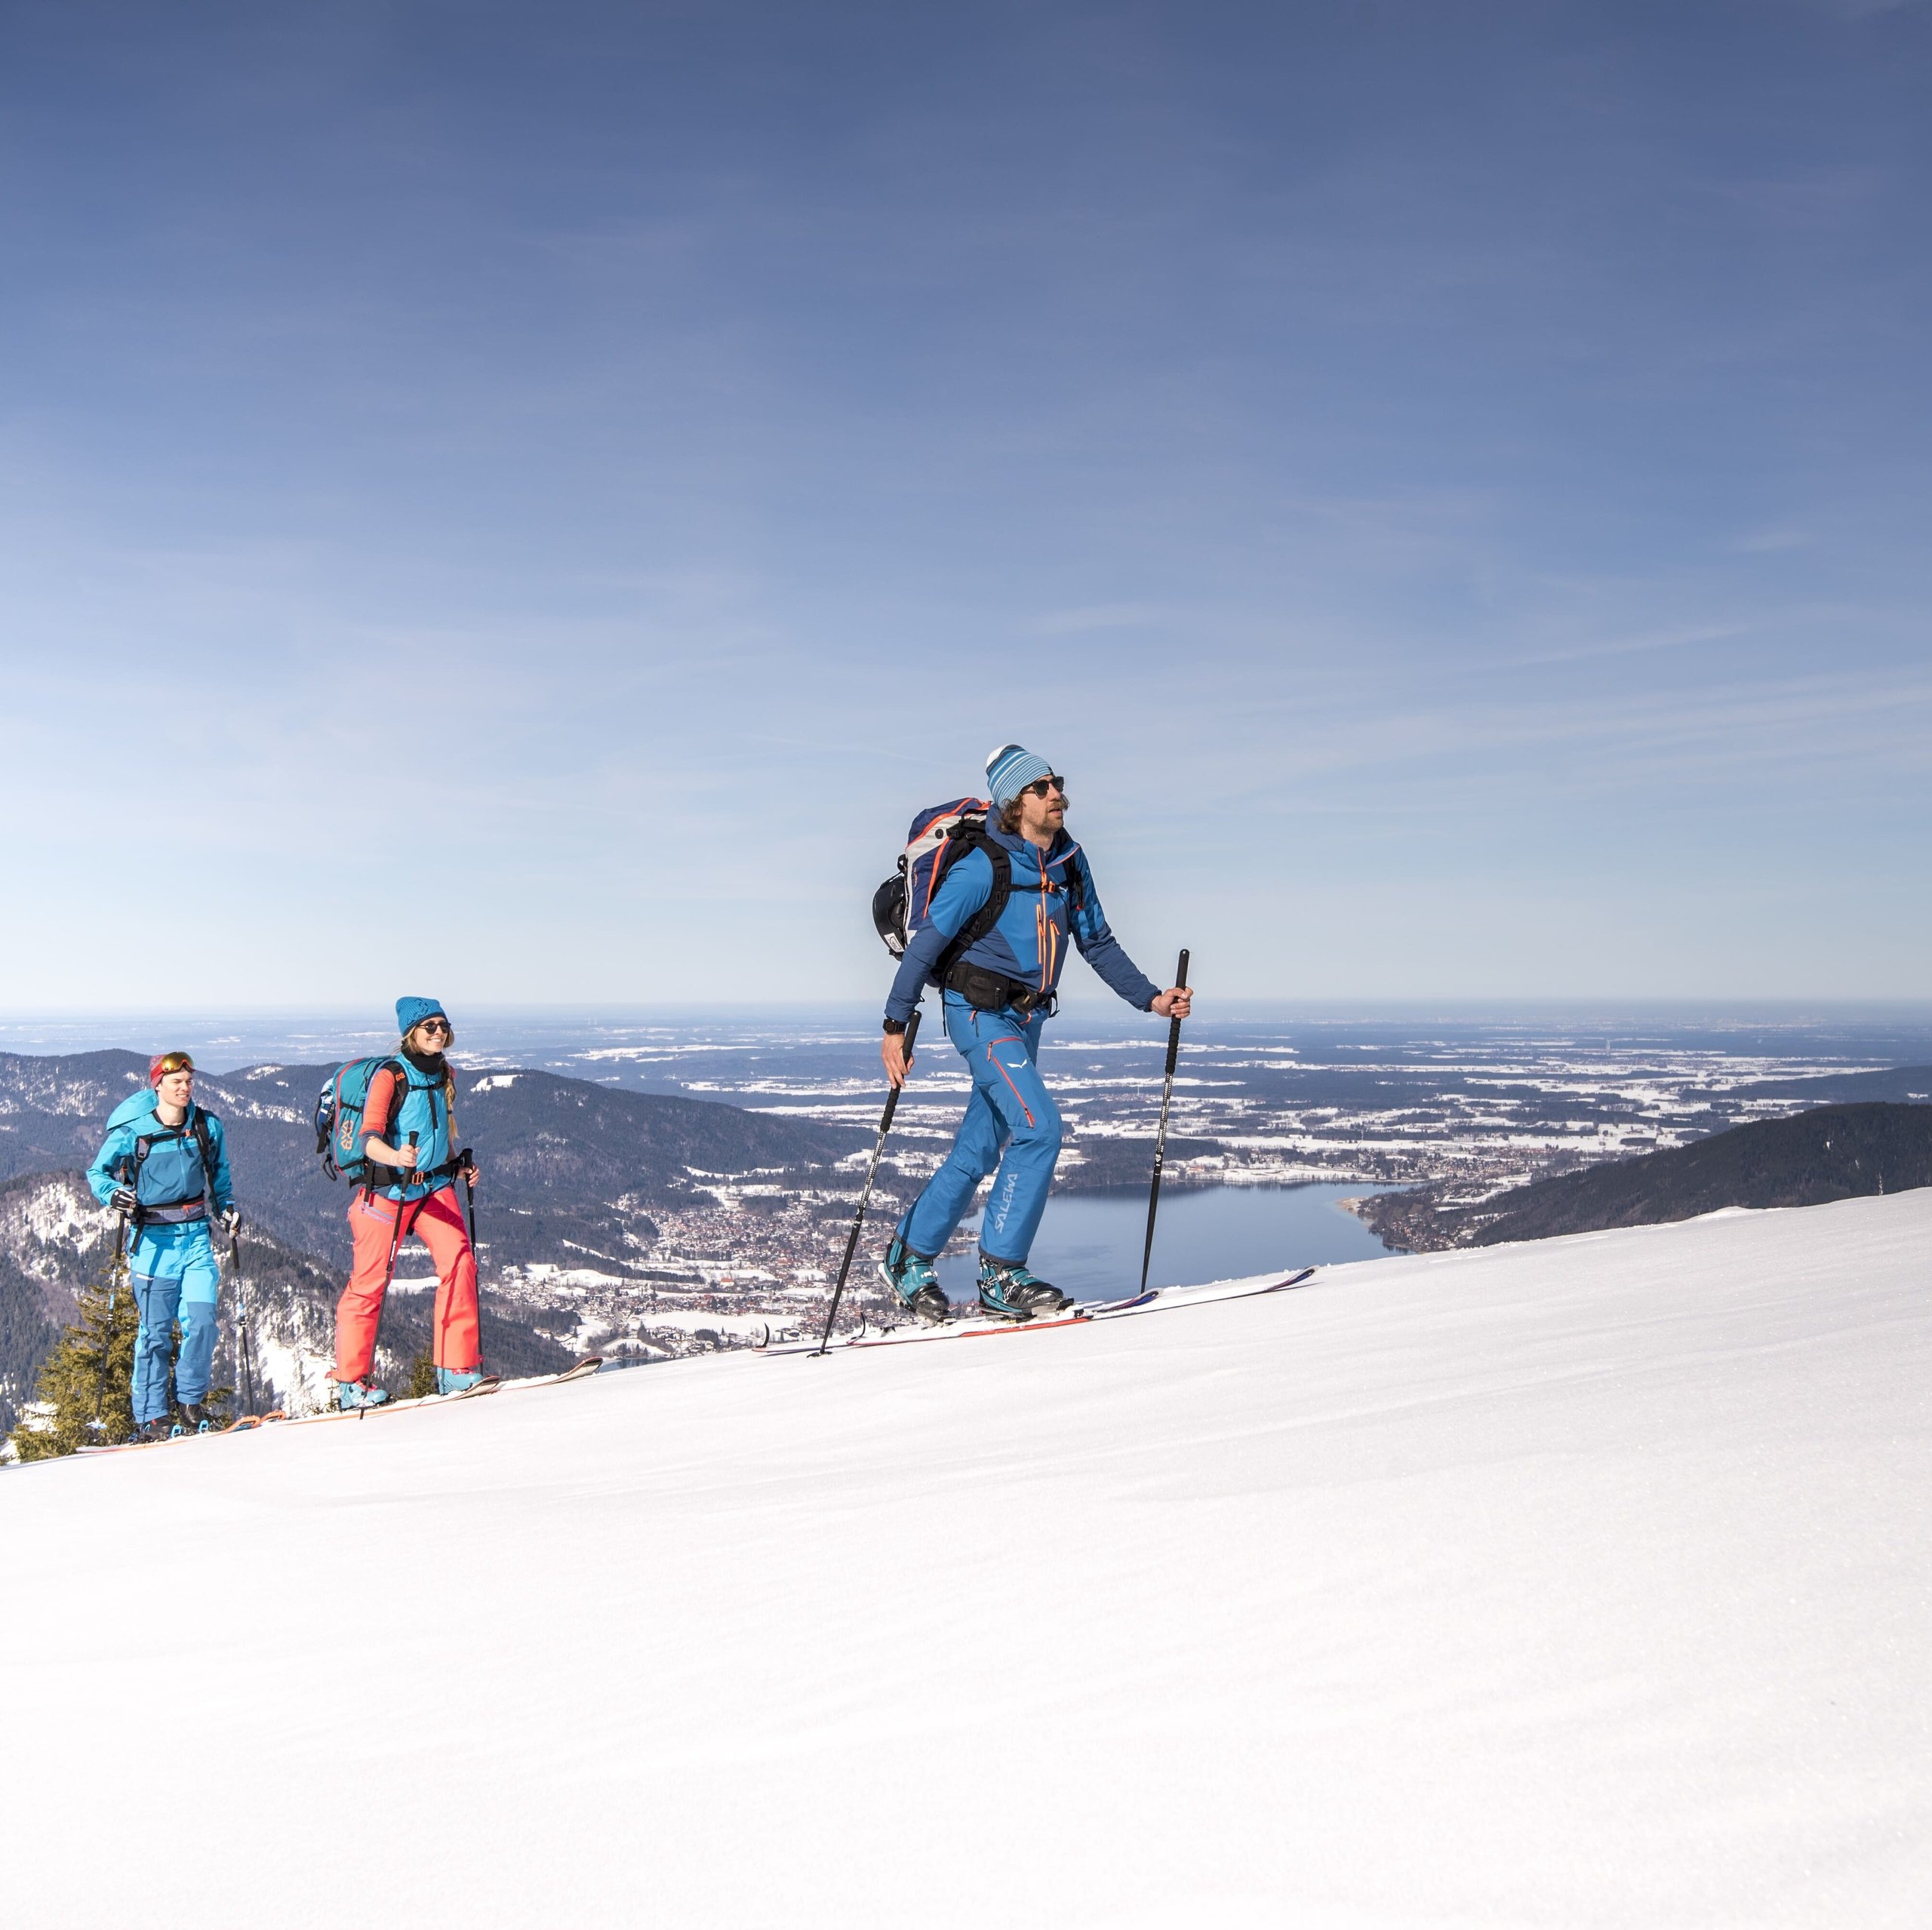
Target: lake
x,y
1089,1243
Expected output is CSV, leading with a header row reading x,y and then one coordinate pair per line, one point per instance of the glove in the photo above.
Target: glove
x,y
123,1200
230,1217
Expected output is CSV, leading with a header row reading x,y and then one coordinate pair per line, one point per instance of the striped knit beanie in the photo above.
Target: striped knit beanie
x,y
1010,770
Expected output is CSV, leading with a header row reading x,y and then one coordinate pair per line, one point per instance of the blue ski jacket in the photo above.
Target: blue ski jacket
x,y
1029,943
170,1179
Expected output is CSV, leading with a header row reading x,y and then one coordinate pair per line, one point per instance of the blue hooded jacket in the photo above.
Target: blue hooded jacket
x,y
1029,943
172,1177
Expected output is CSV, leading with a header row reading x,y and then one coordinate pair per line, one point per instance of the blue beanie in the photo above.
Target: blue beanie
x,y
410,1013
1010,770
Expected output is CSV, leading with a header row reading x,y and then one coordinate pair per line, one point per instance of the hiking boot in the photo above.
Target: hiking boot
x,y
1009,1293
453,1380
358,1393
912,1280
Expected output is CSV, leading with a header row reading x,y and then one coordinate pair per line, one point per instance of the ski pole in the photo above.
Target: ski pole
x,y
107,1339
1160,1142
865,1198
241,1320
467,1165
469,1169
395,1235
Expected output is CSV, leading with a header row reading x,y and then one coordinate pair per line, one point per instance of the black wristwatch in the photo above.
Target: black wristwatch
x,y
895,1025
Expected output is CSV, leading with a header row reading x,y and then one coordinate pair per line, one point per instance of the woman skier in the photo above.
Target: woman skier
x,y
163,1162
409,1128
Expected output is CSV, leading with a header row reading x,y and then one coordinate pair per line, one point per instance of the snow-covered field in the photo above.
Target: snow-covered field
x,y
1578,1584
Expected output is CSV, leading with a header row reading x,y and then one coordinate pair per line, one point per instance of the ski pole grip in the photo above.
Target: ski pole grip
x,y
1180,974
912,1029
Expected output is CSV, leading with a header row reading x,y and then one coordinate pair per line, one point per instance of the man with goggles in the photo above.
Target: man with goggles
x,y
164,1163
998,992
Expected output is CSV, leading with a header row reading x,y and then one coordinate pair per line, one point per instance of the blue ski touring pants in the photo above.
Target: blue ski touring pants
x,y
175,1277
1011,1123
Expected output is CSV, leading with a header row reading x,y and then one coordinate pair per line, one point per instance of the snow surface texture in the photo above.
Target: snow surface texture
x,y
1577,1584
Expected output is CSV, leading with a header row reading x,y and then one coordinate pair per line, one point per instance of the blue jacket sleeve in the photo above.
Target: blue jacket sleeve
x,y
222,1180
103,1175
1103,951
968,887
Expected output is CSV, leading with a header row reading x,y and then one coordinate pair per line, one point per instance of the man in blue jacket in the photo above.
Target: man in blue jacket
x,y
164,1164
998,991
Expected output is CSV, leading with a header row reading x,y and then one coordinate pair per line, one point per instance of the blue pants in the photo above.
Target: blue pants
x,y
1011,1122
175,1276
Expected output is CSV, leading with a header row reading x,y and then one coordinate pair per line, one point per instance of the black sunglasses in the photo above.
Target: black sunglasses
x,y
441,1025
1042,785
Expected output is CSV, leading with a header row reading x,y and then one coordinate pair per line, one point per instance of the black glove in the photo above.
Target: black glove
x,y
123,1201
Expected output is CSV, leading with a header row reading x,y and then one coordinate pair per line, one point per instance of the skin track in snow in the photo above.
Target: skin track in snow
x,y
581,1370
1157,1300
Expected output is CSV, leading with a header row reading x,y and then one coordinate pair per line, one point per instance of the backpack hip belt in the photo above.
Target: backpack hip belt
x,y
177,1212
408,1177
987,991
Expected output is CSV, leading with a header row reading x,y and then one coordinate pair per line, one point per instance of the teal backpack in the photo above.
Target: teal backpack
x,y
338,1121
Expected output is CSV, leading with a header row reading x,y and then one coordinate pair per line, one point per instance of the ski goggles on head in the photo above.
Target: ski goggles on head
x,y
158,1069
1040,786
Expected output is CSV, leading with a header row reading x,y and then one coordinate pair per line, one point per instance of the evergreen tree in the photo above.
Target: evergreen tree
x,y
91,1370
421,1376
91,1374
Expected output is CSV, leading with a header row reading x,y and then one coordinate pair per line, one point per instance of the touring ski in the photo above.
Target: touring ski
x,y
972,1327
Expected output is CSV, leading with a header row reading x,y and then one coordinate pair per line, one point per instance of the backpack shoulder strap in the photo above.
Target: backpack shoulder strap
x,y
988,915
399,1091
205,1140
1076,881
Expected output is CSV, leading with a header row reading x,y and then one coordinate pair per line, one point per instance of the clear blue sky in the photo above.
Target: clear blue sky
x,y
521,500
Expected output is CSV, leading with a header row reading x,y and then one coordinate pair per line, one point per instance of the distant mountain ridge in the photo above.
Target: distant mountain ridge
x,y
565,1163
1836,1152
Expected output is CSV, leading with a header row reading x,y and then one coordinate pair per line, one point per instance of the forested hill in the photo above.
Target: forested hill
x,y
563,1159
1830,1153
1899,1085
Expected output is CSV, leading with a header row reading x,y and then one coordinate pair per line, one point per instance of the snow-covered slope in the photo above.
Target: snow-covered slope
x,y
1573,1583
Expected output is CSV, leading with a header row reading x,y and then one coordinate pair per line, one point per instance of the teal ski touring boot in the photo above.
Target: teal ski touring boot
x,y
1009,1293
914,1284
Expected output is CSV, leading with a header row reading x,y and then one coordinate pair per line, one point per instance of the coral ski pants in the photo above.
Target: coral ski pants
x,y
1011,1123
437,1221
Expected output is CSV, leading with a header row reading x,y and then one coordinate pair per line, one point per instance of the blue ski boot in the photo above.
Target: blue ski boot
x,y
358,1393
914,1284
451,1380
1009,1293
